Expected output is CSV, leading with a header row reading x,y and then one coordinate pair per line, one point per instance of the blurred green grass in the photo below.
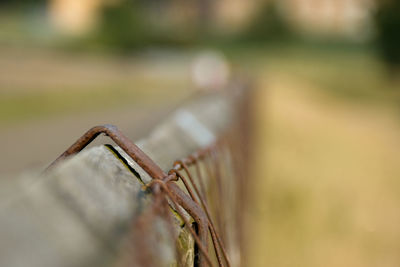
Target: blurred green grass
x,y
347,71
326,169
37,104
41,84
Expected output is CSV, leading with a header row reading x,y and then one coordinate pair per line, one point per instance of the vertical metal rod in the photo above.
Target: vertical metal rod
x,y
214,235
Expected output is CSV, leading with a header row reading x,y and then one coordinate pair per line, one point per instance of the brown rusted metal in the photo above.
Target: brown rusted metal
x,y
200,178
194,198
146,163
215,238
175,174
180,199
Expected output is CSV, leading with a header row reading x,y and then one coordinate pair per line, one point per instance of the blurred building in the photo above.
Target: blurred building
x,y
343,17
349,18
73,17
233,15
226,15
76,16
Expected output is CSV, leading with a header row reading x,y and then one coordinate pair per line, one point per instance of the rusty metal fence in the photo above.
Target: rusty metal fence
x,y
199,201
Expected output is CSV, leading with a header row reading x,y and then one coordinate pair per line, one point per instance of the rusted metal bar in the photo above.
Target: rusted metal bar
x,y
189,203
173,193
215,238
200,178
146,163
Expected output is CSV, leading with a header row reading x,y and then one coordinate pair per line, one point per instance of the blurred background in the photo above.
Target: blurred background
x,y
326,110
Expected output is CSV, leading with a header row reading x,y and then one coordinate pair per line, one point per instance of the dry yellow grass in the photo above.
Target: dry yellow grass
x,y
328,168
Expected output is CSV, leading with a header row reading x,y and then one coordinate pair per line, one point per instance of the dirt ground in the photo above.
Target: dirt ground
x,y
327,172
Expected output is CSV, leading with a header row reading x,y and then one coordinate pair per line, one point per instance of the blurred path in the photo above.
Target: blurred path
x,y
49,98
328,169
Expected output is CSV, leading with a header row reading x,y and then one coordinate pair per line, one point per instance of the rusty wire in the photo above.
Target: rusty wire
x,y
180,199
207,163
215,237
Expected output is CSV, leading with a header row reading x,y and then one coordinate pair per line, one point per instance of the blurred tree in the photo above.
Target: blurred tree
x,y
122,26
268,25
129,25
387,19
22,3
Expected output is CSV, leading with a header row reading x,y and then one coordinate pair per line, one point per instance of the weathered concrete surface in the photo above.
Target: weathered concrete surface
x,y
71,216
81,213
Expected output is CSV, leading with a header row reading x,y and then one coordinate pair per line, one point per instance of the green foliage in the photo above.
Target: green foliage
x,y
387,19
127,27
267,26
122,27
22,3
